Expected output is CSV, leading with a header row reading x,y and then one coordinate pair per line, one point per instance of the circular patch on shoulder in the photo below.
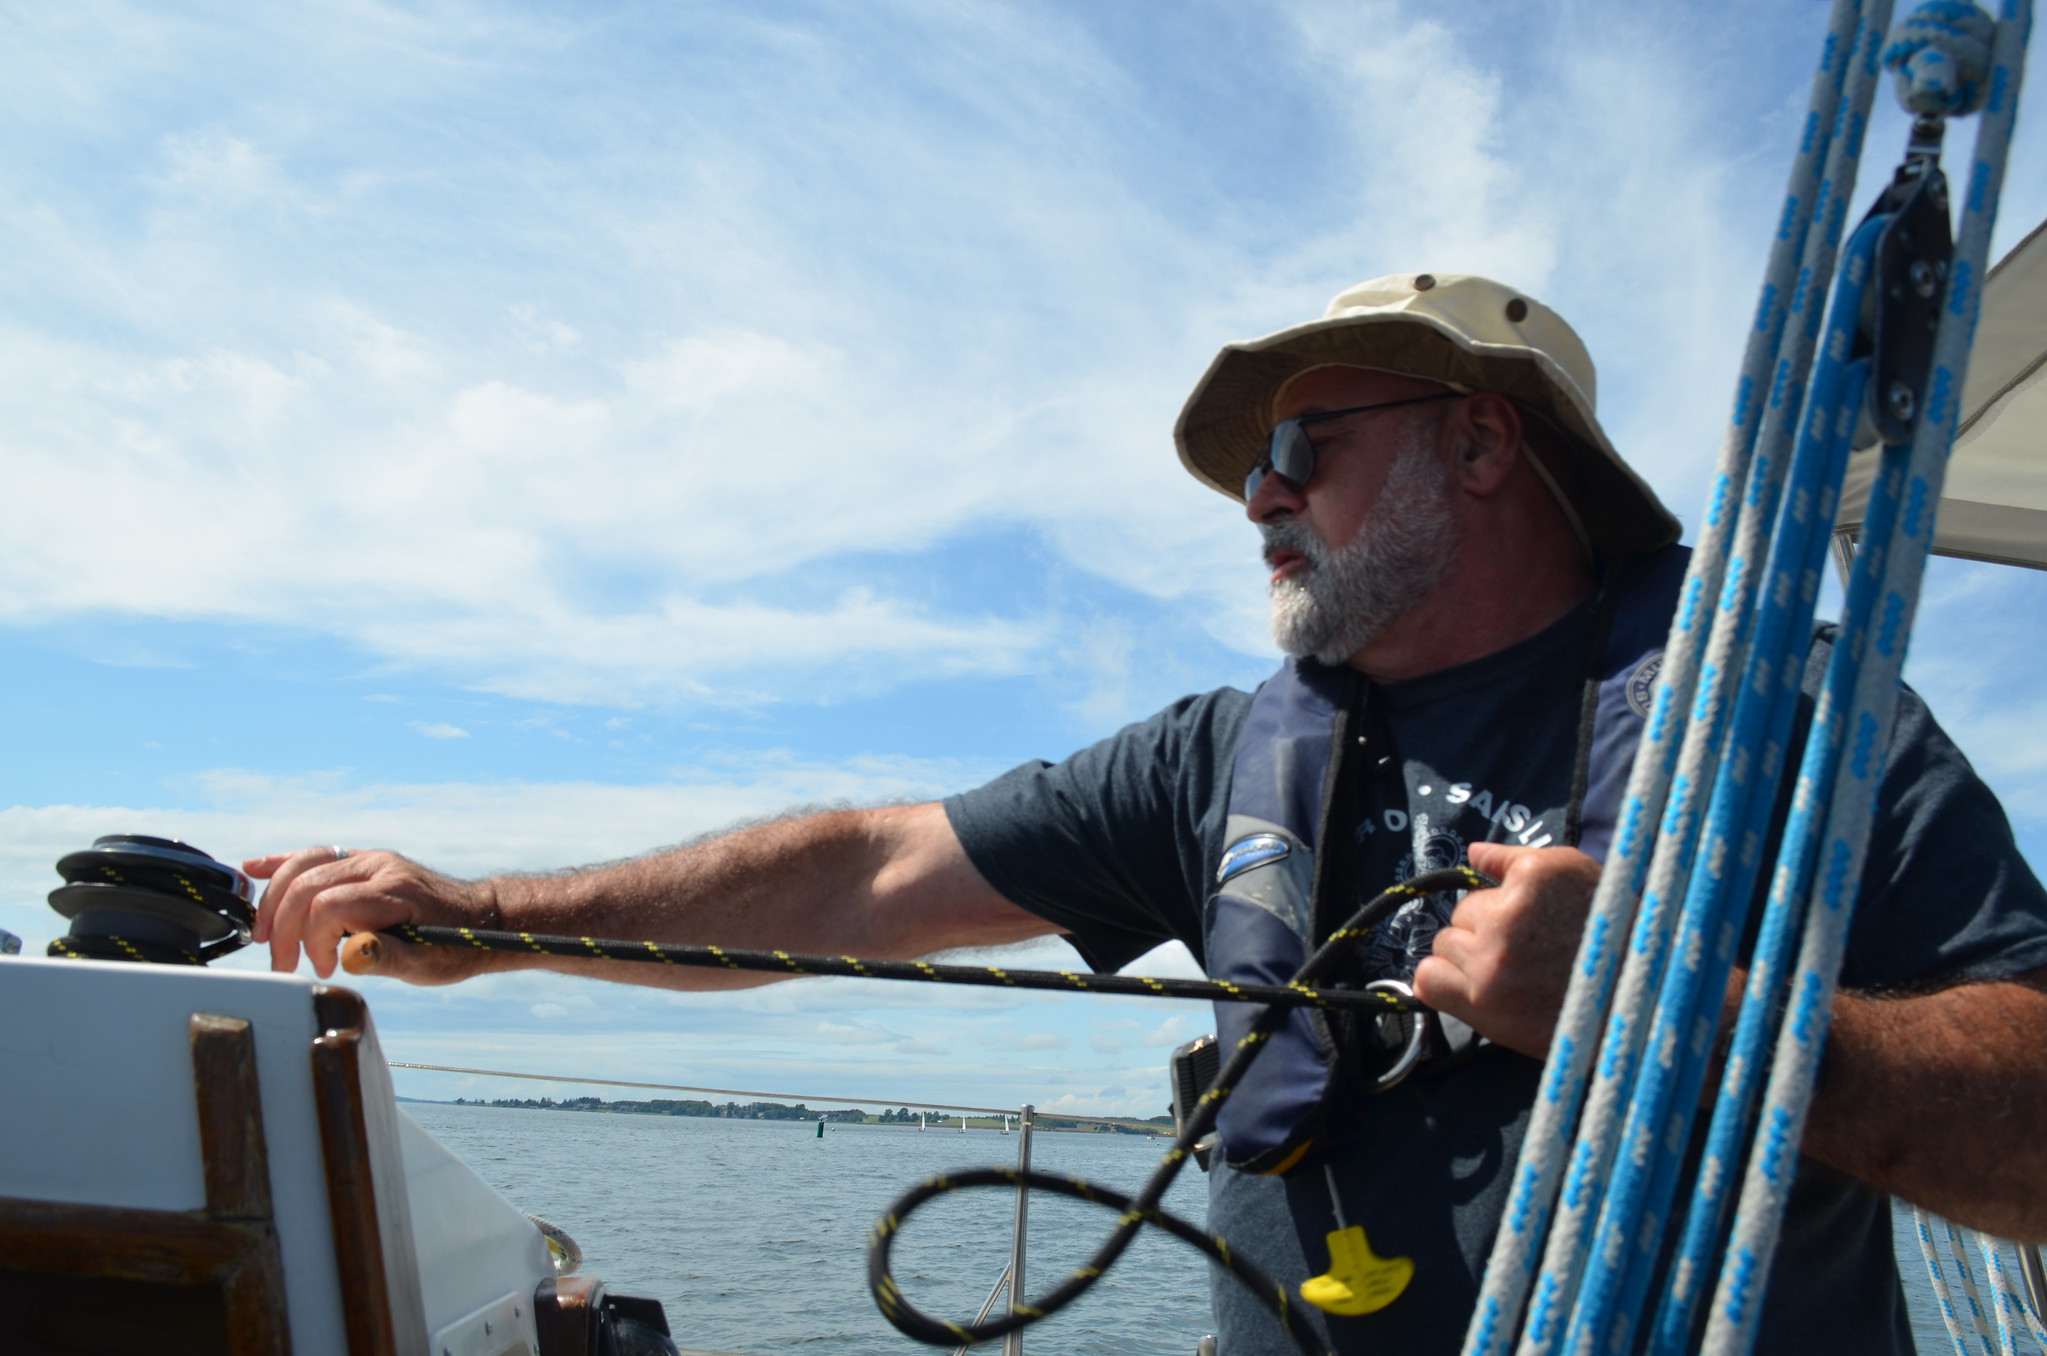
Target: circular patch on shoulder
x,y
1642,684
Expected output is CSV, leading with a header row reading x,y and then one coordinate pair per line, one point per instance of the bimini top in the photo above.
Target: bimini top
x,y
1994,503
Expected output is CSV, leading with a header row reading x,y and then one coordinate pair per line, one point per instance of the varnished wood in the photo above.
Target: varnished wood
x,y
169,1247
237,1159
372,1239
230,1118
565,1315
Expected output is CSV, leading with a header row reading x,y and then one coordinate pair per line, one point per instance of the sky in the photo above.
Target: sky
x,y
527,435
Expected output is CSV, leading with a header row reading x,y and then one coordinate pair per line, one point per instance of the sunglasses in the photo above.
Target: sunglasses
x,y
1291,456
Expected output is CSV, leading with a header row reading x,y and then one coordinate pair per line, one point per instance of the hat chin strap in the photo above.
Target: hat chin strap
x,y
1556,492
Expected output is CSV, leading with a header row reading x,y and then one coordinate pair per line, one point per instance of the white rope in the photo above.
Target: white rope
x,y
2002,1301
1865,729
1504,1293
1693,756
1958,1253
1922,1226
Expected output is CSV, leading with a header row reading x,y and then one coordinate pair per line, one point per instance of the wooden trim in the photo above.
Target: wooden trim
x,y
372,1246
237,1161
566,1313
230,1118
168,1247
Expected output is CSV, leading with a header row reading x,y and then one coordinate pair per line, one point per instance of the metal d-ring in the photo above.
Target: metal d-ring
x,y
1417,1040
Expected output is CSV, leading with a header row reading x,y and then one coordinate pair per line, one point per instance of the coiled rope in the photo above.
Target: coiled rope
x,y
1134,1212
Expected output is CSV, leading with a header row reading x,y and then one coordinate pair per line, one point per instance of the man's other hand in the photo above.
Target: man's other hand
x,y
1502,962
335,909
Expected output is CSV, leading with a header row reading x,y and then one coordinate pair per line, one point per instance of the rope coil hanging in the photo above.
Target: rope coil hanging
x,y
1597,1205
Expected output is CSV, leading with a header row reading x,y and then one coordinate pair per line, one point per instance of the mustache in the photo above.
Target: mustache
x,y
1289,534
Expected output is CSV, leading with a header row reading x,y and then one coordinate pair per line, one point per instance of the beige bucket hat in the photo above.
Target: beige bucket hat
x,y
1465,331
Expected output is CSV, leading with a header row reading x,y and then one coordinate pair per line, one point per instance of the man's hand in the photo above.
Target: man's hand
x,y
1502,962
316,901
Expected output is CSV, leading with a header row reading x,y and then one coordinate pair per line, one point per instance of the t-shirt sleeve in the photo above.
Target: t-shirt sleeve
x,y
1946,895
1114,844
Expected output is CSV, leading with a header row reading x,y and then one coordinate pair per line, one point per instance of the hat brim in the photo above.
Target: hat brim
x,y
1222,430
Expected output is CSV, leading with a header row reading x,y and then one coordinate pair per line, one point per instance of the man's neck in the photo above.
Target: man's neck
x,y
1484,606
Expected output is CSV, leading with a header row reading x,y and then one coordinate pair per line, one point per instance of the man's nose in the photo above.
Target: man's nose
x,y
1273,499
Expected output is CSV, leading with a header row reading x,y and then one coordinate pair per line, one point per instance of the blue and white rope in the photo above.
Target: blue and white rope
x,y
2003,1302
1950,1317
1979,1317
1718,895
1868,661
1511,1268
1706,652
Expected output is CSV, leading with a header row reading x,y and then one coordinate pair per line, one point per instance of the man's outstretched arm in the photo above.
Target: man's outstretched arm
x,y
891,882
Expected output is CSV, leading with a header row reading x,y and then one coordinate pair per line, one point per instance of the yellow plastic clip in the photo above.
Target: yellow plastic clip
x,y
1358,1281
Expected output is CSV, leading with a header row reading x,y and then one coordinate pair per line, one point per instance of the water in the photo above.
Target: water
x,y
753,1234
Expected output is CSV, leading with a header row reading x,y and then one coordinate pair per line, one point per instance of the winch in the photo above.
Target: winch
x,y
131,897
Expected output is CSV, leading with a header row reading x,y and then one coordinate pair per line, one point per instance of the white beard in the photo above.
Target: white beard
x,y
1346,595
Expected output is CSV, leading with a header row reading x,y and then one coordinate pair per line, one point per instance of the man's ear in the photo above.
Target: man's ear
x,y
1487,426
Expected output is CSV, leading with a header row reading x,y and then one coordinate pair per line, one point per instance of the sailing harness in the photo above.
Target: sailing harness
x,y
1309,744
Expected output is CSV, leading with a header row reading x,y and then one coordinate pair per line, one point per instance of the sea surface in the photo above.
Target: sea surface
x,y
753,1234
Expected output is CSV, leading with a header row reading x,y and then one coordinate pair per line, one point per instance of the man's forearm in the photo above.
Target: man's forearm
x,y
890,882
1942,1099
860,882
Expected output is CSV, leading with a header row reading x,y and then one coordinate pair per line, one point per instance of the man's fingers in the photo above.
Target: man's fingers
x,y
1442,986
296,879
264,867
1495,859
341,907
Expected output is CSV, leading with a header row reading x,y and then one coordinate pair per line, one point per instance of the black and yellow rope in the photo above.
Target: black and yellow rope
x,y
1134,1212
1289,995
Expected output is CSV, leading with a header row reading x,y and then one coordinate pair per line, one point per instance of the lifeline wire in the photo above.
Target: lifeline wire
x,y
1291,995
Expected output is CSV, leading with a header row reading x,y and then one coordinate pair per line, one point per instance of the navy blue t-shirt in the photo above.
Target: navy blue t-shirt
x,y
1118,846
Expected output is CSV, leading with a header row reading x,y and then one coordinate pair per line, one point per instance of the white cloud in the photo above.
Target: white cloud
x,y
940,326
1173,1031
440,730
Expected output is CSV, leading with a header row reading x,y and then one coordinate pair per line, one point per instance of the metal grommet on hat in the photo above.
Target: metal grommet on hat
x,y
1466,332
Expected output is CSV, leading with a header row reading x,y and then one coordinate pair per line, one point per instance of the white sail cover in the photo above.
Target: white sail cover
x,y
1994,505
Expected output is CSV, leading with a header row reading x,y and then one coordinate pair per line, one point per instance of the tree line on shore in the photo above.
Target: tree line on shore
x,y
782,1111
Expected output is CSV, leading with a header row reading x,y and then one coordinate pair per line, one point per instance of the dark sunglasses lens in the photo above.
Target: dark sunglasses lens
x,y
1293,456
1289,454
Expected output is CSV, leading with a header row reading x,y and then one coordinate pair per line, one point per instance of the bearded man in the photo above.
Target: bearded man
x,y
1474,587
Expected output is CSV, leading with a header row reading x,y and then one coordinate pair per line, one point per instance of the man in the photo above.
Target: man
x,y
1457,552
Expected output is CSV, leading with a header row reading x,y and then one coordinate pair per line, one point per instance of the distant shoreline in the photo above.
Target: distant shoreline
x,y
798,1112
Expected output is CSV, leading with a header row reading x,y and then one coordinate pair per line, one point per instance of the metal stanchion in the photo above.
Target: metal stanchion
x,y
1012,1345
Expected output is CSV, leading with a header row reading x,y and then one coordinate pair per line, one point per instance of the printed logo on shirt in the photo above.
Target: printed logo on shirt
x,y
1642,684
1441,817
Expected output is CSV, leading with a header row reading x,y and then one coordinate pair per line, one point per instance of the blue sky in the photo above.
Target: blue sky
x,y
525,435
